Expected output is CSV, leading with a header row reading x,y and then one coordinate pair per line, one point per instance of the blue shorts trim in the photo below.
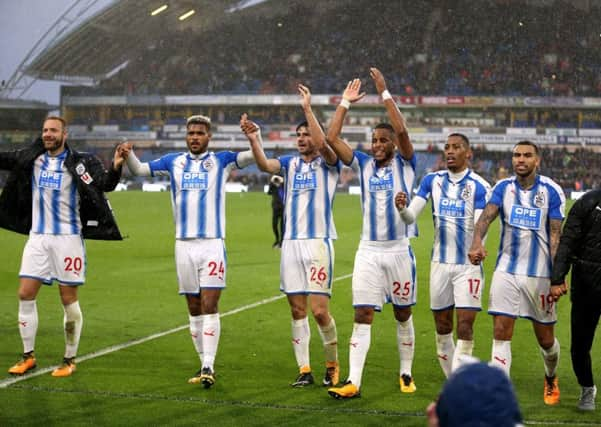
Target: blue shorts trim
x,y
499,313
44,280
450,307
404,305
375,307
200,290
307,293
469,308
50,282
538,321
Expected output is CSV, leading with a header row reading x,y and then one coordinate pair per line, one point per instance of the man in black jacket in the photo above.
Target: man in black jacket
x,y
580,248
55,194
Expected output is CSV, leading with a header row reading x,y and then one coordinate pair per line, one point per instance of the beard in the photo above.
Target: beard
x,y
53,144
524,173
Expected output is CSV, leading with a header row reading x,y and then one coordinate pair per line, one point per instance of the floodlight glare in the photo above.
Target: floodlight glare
x,y
187,15
159,10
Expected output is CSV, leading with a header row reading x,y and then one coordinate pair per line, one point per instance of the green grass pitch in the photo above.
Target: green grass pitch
x,y
131,294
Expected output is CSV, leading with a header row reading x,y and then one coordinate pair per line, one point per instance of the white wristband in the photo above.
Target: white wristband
x,y
345,103
386,95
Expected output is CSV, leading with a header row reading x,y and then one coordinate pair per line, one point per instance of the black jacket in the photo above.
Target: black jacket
x,y
277,202
95,212
580,245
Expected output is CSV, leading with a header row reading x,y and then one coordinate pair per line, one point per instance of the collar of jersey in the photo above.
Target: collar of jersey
x,y
456,178
534,184
61,156
197,156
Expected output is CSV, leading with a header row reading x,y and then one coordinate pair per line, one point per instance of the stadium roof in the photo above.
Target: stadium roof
x,y
106,41
21,104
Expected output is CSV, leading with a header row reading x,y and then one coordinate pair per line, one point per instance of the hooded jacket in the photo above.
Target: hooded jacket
x,y
87,171
580,246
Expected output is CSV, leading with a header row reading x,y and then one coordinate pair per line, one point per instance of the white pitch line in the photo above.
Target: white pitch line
x,y
9,381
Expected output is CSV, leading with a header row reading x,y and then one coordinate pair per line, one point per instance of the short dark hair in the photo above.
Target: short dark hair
x,y
57,118
462,136
306,125
386,126
530,143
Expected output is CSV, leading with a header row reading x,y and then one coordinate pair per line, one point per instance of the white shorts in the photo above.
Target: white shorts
x,y
200,263
384,272
456,285
306,266
516,295
49,257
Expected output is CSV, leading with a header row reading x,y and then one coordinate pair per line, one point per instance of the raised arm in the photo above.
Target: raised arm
x,y
253,133
477,251
397,120
350,95
317,135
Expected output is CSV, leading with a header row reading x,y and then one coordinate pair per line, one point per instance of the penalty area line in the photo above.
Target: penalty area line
x,y
112,349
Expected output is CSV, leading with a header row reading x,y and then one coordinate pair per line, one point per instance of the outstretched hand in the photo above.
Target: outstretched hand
x,y
121,153
352,92
248,127
305,94
378,79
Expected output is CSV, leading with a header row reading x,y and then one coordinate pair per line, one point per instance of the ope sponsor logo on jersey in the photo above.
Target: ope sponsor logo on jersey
x,y
50,179
383,183
524,217
454,208
304,181
195,181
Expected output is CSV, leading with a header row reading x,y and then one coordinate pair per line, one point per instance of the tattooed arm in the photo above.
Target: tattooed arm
x,y
477,251
555,225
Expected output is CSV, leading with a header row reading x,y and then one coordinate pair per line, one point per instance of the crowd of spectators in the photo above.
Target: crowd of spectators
x,y
577,170
450,47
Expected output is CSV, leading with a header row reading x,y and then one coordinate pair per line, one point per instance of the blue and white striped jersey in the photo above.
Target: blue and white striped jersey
x,y
310,189
525,230
55,207
454,205
381,220
197,191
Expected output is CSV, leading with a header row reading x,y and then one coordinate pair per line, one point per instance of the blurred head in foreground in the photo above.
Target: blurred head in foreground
x,y
476,395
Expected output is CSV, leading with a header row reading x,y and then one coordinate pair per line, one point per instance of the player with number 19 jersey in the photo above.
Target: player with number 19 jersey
x,y
525,243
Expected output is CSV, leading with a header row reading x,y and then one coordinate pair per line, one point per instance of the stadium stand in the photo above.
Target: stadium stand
x,y
497,72
436,47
